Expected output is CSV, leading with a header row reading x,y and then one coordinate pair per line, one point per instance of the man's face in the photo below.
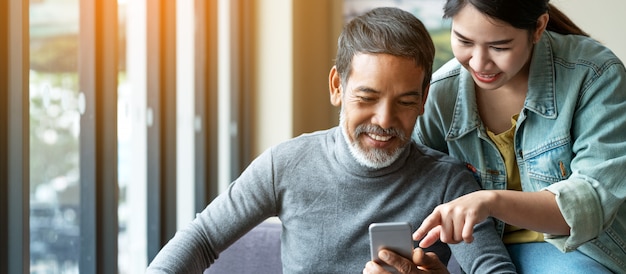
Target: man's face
x,y
379,106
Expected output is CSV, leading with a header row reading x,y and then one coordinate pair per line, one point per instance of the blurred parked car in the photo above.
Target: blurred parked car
x,y
54,233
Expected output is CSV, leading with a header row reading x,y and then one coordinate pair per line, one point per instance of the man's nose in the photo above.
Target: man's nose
x,y
385,115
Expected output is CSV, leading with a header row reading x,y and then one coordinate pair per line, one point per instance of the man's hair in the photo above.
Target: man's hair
x,y
385,30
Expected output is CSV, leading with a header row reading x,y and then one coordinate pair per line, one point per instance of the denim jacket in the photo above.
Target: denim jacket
x,y
570,139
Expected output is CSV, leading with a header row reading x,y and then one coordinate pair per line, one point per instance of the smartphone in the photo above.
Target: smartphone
x,y
394,236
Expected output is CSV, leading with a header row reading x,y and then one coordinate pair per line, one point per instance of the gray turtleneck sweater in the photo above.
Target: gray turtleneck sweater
x,y
326,201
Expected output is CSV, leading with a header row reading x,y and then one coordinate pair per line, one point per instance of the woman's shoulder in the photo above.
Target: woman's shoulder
x,y
447,81
449,71
578,49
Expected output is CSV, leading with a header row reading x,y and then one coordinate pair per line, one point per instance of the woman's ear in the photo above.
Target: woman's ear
x,y
334,85
542,24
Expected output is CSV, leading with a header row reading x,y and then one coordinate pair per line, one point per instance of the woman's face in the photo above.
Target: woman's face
x,y
494,52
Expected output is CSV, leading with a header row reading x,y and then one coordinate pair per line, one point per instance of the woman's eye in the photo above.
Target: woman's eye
x,y
465,43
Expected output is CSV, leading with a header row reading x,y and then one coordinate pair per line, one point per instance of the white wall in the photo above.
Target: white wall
x,y
604,20
274,102
295,46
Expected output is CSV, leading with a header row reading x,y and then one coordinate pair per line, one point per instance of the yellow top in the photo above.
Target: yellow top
x,y
504,142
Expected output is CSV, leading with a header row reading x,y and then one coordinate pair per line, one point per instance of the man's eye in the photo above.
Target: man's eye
x,y
499,49
408,103
366,99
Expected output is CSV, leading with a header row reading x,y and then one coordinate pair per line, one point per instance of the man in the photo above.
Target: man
x,y
326,187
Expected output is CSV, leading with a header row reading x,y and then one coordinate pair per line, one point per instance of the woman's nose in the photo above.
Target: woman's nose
x,y
479,60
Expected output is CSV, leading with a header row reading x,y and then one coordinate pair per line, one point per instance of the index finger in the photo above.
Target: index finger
x,y
432,221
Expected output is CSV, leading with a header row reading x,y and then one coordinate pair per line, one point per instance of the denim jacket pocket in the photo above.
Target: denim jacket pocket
x,y
548,163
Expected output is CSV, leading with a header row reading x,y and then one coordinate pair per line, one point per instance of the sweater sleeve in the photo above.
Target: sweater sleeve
x,y
487,253
247,202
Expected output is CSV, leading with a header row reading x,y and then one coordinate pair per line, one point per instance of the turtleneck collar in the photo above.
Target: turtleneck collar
x,y
345,159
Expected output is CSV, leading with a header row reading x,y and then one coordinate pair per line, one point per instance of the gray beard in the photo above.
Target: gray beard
x,y
374,158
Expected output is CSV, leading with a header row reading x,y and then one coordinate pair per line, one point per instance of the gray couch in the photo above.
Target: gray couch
x,y
256,252
259,252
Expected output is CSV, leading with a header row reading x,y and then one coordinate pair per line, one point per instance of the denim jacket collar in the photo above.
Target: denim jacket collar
x,y
466,117
541,97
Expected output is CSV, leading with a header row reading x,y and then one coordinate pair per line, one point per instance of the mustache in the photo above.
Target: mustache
x,y
374,129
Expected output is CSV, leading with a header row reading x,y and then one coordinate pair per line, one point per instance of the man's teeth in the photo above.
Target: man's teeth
x,y
379,137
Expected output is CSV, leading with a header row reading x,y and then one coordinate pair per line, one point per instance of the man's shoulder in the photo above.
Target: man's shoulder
x,y
437,156
310,137
440,166
304,142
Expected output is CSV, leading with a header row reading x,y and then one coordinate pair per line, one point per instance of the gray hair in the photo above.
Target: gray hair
x,y
385,30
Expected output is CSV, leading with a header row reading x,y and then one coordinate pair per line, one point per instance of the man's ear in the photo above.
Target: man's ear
x,y
424,97
334,86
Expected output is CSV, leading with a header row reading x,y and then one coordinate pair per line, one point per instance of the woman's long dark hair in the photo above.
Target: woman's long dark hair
x,y
521,14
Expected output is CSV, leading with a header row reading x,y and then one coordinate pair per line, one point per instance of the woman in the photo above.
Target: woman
x,y
535,108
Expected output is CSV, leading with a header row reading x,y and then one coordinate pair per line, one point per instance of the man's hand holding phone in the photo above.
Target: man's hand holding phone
x,y
392,252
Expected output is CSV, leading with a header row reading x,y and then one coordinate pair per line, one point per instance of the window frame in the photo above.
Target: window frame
x,y
98,83
161,131
98,136
14,137
206,108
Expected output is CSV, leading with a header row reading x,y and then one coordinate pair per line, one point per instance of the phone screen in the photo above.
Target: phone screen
x,y
394,236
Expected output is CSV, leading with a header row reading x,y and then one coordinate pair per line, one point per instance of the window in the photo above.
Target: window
x,y
101,128
75,131
54,136
131,137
